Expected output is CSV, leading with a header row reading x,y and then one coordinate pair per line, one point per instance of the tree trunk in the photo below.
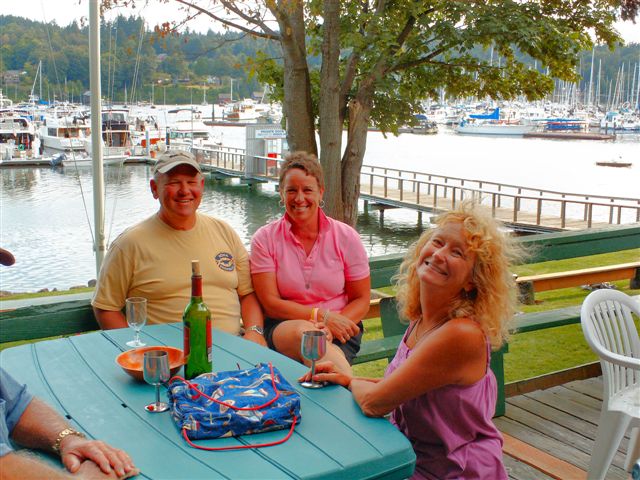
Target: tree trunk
x,y
359,113
297,106
330,124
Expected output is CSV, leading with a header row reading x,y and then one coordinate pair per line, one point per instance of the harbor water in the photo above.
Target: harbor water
x,y
46,215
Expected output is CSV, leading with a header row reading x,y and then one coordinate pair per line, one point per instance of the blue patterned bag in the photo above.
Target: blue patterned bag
x,y
233,403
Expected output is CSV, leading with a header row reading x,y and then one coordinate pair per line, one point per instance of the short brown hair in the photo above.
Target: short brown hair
x,y
307,162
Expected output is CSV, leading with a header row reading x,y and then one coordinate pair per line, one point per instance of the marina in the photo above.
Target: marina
x,y
58,199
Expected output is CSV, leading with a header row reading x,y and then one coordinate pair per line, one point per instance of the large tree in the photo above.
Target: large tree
x,y
380,58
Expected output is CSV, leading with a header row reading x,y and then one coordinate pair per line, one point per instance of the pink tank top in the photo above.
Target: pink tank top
x,y
451,429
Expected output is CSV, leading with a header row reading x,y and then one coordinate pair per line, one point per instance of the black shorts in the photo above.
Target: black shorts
x,y
350,348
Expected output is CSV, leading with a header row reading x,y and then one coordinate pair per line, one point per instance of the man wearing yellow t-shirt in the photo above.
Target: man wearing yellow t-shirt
x,y
153,259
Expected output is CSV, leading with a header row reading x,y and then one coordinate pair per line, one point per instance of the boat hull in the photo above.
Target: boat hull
x,y
497,129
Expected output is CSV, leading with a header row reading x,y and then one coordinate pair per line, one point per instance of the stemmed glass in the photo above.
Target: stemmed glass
x,y
156,372
313,347
136,310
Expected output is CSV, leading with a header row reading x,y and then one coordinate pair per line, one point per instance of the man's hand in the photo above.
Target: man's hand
x,y
91,471
255,337
76,451
327,372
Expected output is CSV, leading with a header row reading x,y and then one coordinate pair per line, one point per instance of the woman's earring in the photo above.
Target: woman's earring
x,y
281,203
322,204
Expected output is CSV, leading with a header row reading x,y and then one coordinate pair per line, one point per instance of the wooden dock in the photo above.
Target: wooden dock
x,y
550,433
571,135
520,207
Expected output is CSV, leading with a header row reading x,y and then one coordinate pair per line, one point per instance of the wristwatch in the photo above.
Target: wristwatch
x,y
64,433
256,328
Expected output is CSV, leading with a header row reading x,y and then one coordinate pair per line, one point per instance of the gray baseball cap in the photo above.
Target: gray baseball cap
x,y
172,159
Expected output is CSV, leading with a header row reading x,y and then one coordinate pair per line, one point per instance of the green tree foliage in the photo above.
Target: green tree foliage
x,y
380,58
132,55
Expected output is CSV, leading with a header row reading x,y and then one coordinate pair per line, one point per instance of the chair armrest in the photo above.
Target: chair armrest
x,y
629,362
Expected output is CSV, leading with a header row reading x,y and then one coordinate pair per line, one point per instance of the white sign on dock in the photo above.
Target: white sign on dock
x,y
271,133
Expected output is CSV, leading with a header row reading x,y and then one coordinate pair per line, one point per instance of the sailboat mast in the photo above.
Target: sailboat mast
x,y
96,133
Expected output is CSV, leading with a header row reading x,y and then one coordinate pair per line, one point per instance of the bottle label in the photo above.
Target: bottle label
x,y
209,342
186,341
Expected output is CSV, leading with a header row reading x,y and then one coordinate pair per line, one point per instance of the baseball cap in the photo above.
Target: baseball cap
x,y
172,159
6,257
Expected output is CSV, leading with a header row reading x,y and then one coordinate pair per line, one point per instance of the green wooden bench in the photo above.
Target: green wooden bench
x,y
528,285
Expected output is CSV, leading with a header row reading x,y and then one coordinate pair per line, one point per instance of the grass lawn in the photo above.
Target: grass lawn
x,y
544,351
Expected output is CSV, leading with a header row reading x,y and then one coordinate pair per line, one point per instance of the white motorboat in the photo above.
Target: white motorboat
x,y
65,133
18,136
186,128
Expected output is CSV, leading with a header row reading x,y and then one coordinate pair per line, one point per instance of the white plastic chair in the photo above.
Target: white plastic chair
x,y
607,323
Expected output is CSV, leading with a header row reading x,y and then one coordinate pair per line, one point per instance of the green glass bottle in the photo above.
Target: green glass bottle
x,y
196,322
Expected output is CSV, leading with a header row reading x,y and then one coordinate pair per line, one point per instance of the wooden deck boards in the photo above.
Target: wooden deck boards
x,y
559,422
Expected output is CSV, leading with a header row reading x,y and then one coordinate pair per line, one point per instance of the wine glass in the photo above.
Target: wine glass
x,y
156,372
313,347
136,310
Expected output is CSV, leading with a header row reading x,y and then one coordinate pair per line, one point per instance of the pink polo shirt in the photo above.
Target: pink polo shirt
x,y
318,279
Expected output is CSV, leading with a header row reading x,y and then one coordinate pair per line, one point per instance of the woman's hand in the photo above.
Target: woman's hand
x,y
327,372
340,326
323,328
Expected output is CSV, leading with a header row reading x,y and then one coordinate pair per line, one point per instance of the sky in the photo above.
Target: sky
x,y
66,11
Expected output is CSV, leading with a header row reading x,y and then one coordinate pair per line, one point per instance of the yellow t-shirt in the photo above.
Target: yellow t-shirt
x,y
153,260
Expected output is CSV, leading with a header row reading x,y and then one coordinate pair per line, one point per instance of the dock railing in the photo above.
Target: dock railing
x,y
225,158
436,193
429,192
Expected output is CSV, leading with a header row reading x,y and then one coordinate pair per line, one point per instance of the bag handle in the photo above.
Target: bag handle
x,y
258,407
240,447
237,447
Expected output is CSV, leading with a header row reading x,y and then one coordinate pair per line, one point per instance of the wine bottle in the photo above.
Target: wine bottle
x,y
196,322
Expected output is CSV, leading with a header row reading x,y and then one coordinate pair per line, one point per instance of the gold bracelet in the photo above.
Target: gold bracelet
x,y
64,433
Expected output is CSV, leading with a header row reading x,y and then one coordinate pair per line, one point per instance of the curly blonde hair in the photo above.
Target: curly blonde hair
x,y
494,301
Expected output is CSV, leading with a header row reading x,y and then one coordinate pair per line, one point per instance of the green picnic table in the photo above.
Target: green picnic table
x,y
79,377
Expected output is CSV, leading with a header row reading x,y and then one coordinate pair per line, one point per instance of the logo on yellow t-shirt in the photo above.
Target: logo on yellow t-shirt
x,y
225,261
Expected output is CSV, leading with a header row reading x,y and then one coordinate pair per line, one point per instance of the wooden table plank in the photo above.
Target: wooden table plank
x,y
334,439
136,394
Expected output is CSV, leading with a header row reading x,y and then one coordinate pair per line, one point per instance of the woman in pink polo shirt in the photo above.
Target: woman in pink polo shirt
x,y
456,289
308,270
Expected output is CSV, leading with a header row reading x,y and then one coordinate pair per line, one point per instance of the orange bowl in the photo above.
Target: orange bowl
x,y
131,361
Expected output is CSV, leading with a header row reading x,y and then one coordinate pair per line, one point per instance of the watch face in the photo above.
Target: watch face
x,y
257,329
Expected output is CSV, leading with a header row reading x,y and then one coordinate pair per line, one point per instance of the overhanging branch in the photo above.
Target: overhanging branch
x,y
266,32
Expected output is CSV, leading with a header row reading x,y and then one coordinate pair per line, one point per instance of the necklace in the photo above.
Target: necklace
x,y
429,330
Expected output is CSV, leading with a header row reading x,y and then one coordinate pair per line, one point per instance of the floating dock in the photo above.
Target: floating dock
x,y
26,162
570,135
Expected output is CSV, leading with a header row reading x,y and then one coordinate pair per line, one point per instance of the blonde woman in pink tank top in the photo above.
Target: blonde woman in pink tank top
x,y
456,290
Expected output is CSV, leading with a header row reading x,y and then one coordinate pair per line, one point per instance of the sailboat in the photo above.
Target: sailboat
x,y
491,124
